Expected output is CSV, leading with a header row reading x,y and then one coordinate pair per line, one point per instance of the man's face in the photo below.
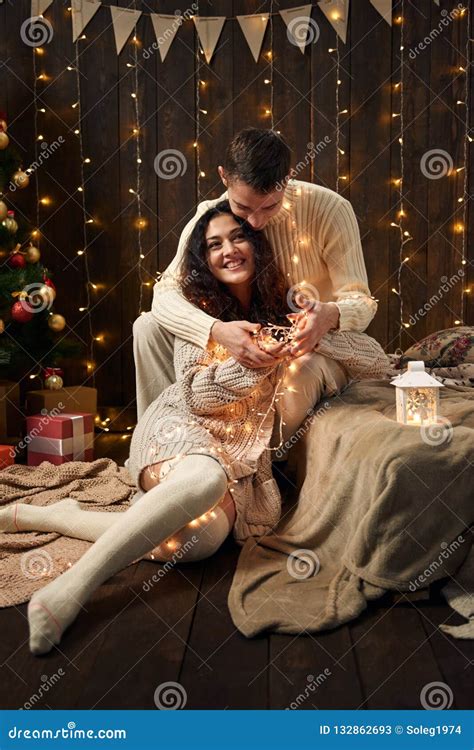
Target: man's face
x,y
255,208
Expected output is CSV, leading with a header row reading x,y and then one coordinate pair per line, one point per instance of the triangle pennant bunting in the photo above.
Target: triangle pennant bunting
x,y
165,31
384,7
82,12
209,30
38,7
123,20
337,13
253,28
298,26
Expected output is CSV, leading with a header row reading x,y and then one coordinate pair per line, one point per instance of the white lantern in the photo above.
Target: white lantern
x,y
417,395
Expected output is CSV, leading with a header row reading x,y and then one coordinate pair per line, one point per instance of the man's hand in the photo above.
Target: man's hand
x,y
236,337
313,323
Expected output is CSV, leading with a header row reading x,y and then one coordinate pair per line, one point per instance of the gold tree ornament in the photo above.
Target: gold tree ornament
x,y
10,223
57,322
32,254
3,126
3,210
20,179
2,326
54,382
417,396
4,141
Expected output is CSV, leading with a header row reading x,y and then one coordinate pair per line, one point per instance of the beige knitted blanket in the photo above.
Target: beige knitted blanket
x,y
29,560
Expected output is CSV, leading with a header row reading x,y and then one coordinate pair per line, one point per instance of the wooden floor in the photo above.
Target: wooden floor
x,y
130,641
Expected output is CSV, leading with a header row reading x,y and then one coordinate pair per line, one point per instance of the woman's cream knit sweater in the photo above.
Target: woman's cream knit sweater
x,y
316,240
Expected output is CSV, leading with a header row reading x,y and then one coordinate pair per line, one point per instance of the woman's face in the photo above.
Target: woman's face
x,y
230,255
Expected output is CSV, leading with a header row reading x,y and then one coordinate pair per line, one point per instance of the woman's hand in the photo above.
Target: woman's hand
x,y
236,337
313,323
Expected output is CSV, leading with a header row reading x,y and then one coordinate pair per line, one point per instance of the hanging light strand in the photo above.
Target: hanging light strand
x,y
339,150
138,162
338,117
467,140
401,214
271,67
35,121
86,220
198,116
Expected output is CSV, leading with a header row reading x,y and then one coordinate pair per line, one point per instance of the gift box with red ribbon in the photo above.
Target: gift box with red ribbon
x,y
59,439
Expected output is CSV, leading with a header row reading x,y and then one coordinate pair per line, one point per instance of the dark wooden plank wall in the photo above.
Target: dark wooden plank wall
x,y
236,96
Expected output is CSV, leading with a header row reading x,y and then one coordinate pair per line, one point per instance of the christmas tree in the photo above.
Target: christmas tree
x,y
31,333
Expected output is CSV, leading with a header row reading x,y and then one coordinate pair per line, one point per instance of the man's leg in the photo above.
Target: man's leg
x,y
153,354
311,378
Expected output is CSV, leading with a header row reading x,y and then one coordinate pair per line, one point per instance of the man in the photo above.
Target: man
x,y
316,242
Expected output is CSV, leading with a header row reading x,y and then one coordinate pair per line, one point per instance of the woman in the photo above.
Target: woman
x,y
207,433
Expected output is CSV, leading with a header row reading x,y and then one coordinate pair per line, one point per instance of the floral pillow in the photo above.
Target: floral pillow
x,y
448,348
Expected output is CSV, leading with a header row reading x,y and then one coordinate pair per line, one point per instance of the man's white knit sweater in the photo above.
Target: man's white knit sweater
x,y
315,239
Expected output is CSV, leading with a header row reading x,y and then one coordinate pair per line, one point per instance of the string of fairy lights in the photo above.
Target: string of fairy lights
x,y
140,222
466,72
199,110
86,222
339,150
404,234
399,223
270,57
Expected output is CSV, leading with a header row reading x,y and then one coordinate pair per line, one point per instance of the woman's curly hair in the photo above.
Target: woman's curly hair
x,y
199,285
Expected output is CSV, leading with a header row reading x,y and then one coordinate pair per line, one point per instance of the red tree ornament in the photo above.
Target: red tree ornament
x,y
21,312
17,261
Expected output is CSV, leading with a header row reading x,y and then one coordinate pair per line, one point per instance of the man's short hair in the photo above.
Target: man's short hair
x,y
260,158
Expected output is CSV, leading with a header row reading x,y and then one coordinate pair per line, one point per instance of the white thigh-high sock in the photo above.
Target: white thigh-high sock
x,y
197,540
64,517
200,538
194,486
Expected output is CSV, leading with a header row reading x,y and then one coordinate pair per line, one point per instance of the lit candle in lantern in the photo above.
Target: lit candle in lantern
x,y
417,396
